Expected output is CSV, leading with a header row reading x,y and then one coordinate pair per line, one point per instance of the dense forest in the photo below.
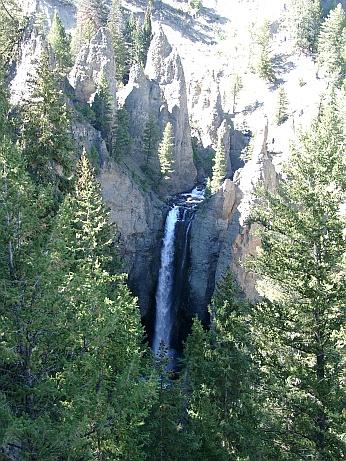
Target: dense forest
x,y
262,379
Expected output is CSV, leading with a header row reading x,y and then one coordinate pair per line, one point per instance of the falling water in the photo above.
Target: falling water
x,y
173,266
165,284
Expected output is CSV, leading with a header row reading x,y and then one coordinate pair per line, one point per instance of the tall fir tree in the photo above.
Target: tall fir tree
x,y
102,107
301,267
223,411
332,45
115,26
303,22
282,104
166,152
91,15
263,65
123,141
150,140
60,42
46,130
147,32
12,25
100,351
219,167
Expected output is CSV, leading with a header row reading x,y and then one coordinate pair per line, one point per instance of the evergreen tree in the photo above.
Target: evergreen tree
x,y
11,28
332,45
264,65
45,136
219,168
91,15
115,25
123,139
303,22
166,152
236,87
100,351
299,322
222,382
60,43
150,140
102,108
147,33
282,103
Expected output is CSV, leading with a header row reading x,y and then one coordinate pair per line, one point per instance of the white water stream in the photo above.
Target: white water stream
x,y
164,293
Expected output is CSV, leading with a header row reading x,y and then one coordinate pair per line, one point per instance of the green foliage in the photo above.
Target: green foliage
x,y
332,45
303,23
150,140
223,419
236,87
166,152
264,66
115,26
282,104
91,15
102,108
196,5
123,139
219,168
11,28
60,42
299,322
46,131
138,37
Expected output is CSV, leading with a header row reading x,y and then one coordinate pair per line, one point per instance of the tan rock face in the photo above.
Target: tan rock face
x,y
165,69
93,59
139,220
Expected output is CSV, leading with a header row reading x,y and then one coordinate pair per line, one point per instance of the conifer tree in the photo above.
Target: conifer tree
x,y
147,32
221,374
100,378
282,102
115,25
11,28
123,139
45,136
91,15
219,168
264,65
303,22
102,107
166,152
332,45
299,322
150,140
60,43
236,86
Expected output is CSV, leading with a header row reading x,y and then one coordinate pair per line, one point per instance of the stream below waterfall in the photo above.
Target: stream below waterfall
x,y
173,274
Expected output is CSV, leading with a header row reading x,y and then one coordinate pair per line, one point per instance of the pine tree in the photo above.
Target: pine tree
x,y
11,28
101,350
115,25
102,107
123,139
150,140
60,43
236,87
264,65
147,32
91,16
219,168
28,398
222,379
303,22
45,136
166,152
332,45
299,322
282,103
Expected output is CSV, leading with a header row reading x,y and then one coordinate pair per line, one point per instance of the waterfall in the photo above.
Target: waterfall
x,y
173,270
165,284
